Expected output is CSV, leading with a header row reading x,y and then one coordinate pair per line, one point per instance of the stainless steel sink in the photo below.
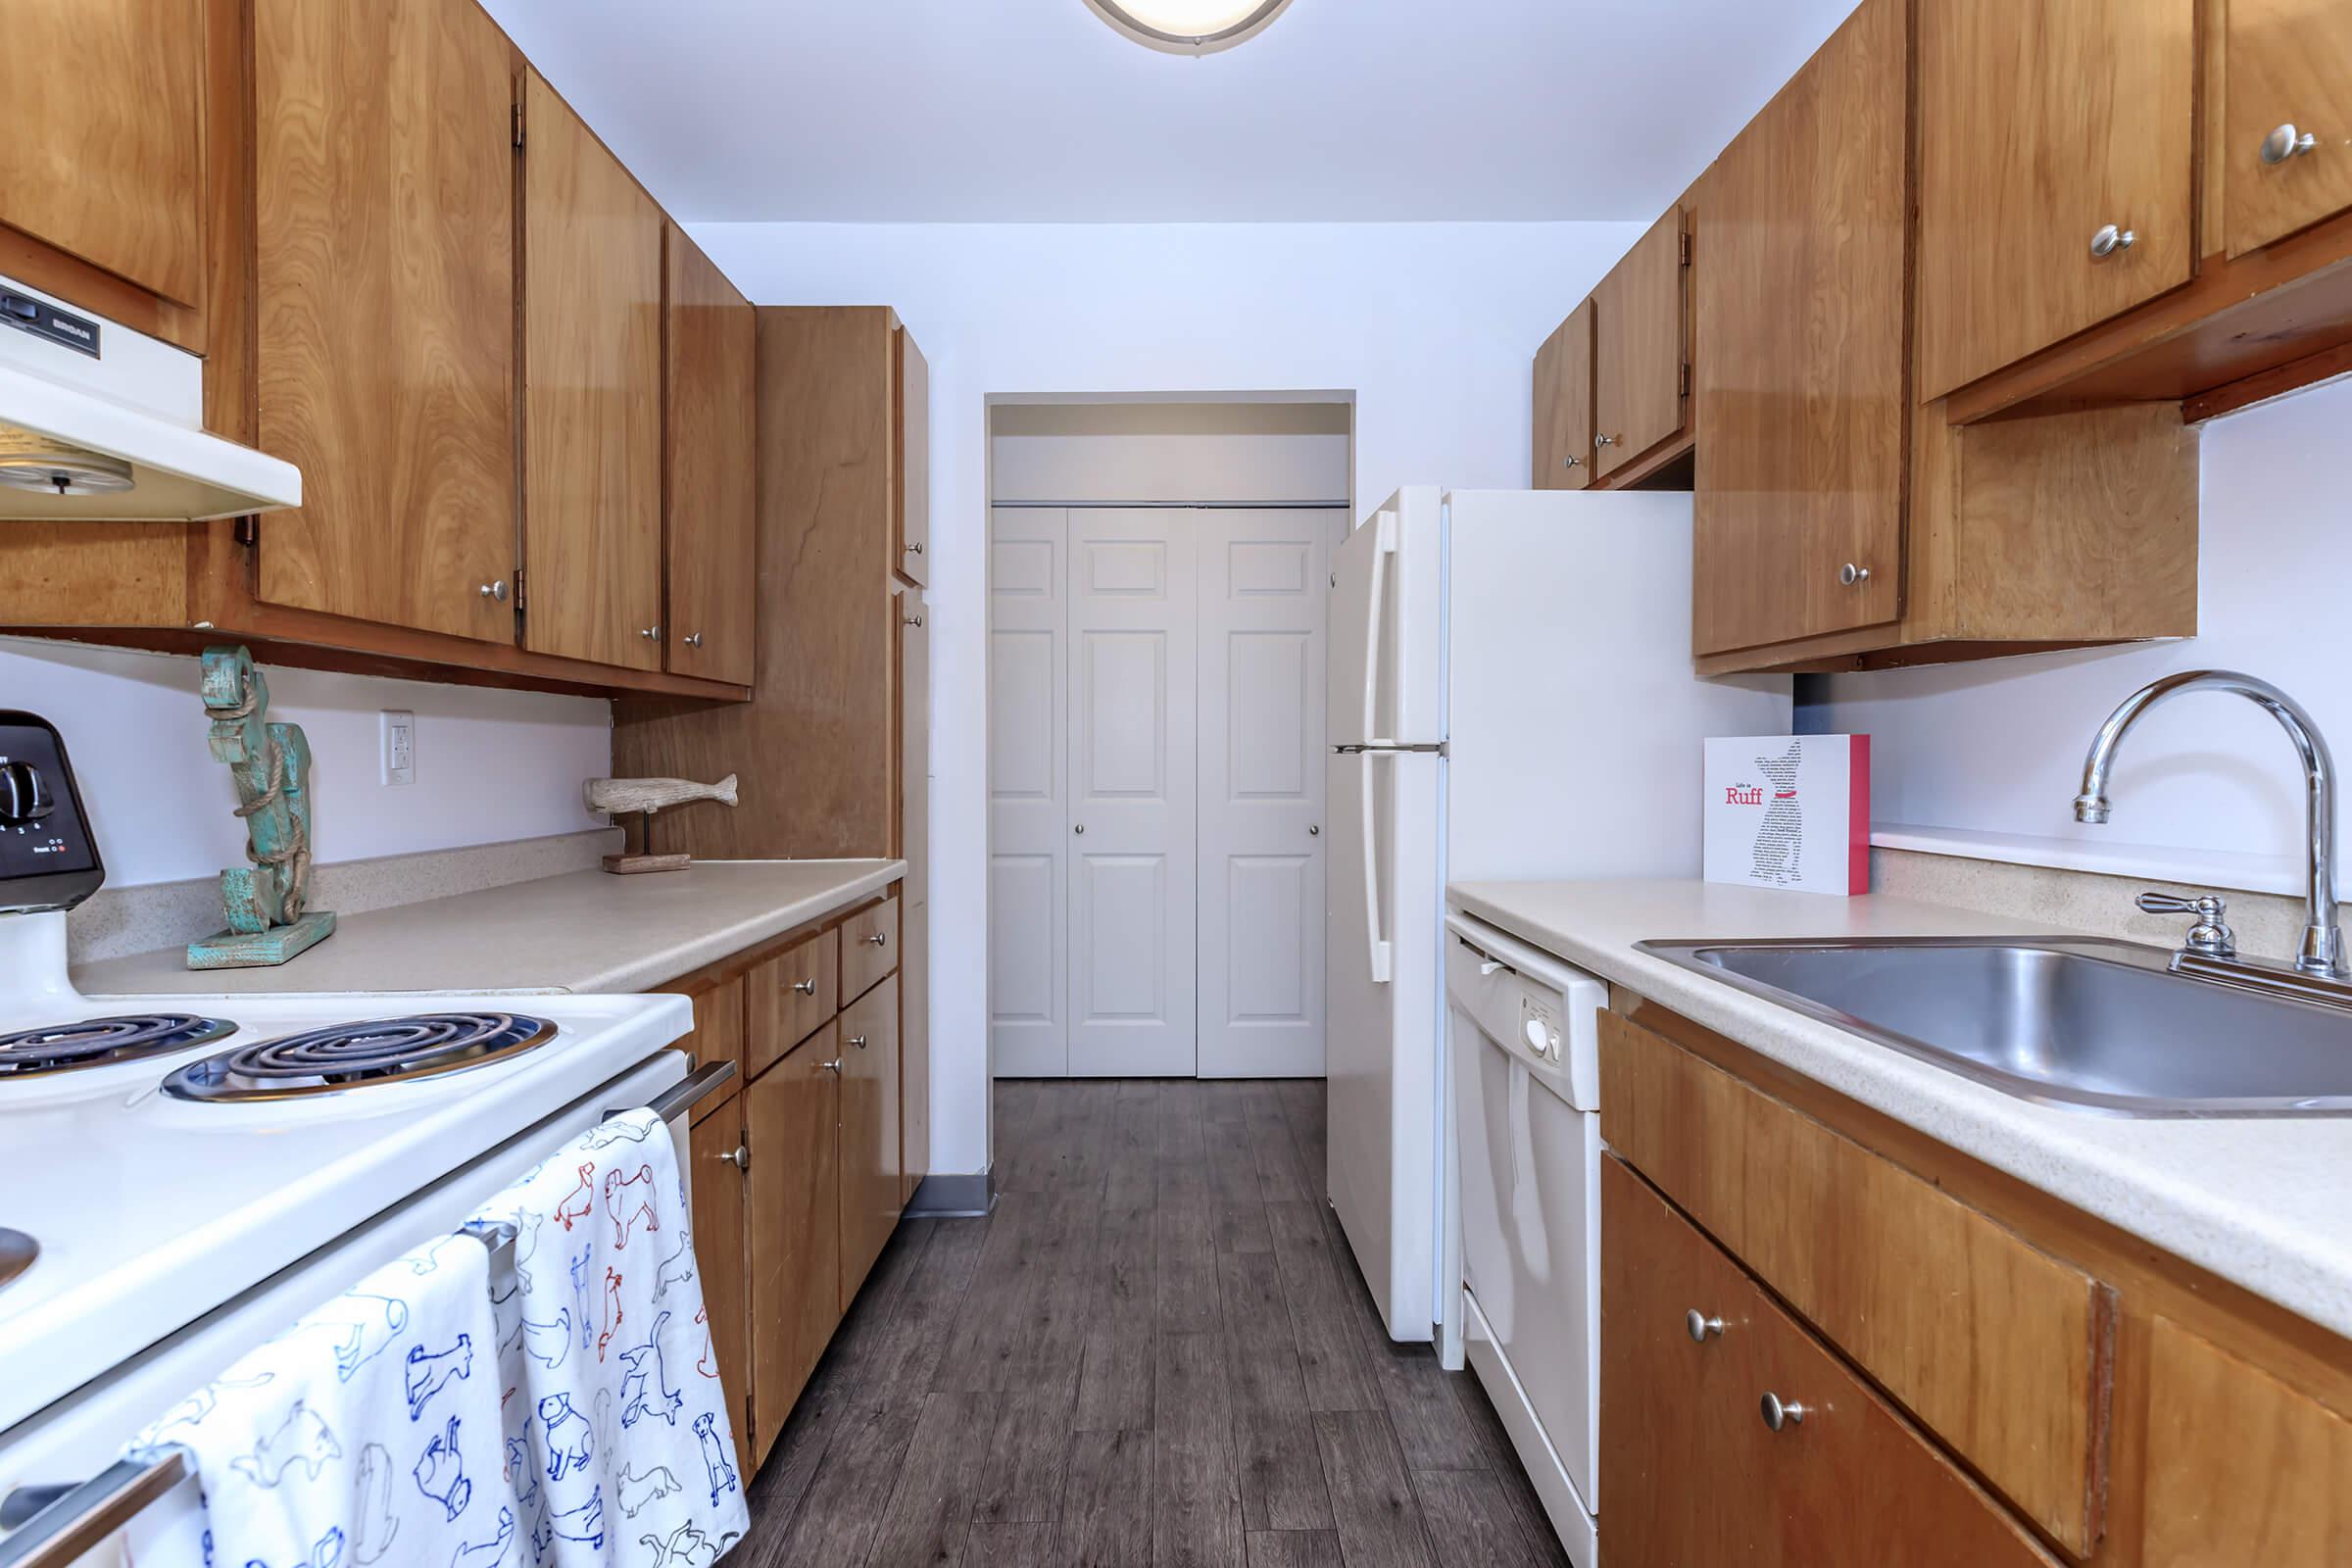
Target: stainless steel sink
x,y
2079,1022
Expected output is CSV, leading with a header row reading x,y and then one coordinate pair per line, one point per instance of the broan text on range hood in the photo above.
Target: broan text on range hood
x,y
99,424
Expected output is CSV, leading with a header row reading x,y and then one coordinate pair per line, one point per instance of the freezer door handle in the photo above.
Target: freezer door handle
x,y
1378,954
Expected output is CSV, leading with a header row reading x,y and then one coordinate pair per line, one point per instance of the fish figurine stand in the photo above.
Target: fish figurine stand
x,y
267,921
618,797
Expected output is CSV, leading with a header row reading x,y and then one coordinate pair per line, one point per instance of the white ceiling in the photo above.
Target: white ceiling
x,y
1001,111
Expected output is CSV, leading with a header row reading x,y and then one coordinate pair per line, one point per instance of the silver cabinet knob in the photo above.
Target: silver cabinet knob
x,y
2284,143
495,590
1078,827
693,640
650,634
1851,574
1778,1413
1698,1325
915,548
2110,239
831,1067
914,621
1572,462
878,940
1604,440
858,1041
739,1156
1314,830
807,988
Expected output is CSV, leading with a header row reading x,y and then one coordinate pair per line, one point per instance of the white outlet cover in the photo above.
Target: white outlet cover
x,y
399,747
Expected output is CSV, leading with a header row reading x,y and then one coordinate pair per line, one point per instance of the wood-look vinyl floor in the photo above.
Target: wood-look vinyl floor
x,y
1156,1351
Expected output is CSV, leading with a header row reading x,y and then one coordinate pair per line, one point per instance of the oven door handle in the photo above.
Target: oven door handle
x,y
71,1525
687,1092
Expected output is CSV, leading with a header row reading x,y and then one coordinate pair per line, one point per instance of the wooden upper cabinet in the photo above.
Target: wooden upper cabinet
x,y
2288,153
2241,1467
102,135
910,456
1563,457
712,415
1801,383
592,395
1638,349
385,280
2044,123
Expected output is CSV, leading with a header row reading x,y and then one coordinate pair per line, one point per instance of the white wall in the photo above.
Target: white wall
x,y
1432,326
490,765
1171,451
2206,788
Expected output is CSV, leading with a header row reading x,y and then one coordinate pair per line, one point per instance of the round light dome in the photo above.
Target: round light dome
x,y
1190,26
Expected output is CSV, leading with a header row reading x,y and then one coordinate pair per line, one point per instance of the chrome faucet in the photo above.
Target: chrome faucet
x,y
2322,951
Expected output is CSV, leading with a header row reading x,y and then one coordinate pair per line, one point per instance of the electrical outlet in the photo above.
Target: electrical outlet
x,y
400,747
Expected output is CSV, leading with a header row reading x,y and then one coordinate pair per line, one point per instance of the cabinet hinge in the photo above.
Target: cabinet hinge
x,y
248,531
517,110
1686,239
519,599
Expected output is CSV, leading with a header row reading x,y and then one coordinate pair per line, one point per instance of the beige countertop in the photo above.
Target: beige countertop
x,y
583,931
2263,1202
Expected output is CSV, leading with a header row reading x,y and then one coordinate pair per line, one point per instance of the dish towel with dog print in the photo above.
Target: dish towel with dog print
x,y
619,1447
366,1436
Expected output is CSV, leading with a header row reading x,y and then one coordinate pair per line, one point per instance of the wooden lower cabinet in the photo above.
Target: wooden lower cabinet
x,y
870,1193
1693,1472
792,1225
717,1182
797,990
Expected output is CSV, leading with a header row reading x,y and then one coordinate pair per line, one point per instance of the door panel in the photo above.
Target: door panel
x,y
592,395
1637,348
712,469
718,1188
1801,389
2289,60
102,135
1564,403
870,1191
1028,821
1262,847
2039,121
1132,734
386,328
793,1227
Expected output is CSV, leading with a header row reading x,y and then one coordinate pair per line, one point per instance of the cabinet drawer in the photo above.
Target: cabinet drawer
x,y
869,948
796,993
1692,1472
2242,1468
1999,1348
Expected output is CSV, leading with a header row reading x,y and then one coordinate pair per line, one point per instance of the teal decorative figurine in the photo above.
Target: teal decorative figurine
x,y
268,920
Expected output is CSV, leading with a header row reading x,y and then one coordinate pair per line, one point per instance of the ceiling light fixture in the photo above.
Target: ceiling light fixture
x,y
1190,26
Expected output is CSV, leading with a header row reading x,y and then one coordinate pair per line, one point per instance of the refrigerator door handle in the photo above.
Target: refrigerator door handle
x,y
1384,545
1377,953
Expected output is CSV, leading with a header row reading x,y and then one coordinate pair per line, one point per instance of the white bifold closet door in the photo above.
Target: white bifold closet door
x,y
1155,792
1262,833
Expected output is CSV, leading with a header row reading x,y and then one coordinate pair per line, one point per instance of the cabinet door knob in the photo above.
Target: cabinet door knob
x,y
831,1067
915,548
495,590
858,1041
739,1156
1079,827
1698,1325
914,621
1572,462
1604,440
878,940
650,634
807,988
2284,143
693,640
1778,1413
1851,574
2110,239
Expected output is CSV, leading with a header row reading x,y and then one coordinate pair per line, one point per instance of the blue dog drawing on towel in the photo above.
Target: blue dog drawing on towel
x,y
440,1472
569,1442
585,1524
715,1457
429,1371
645,1386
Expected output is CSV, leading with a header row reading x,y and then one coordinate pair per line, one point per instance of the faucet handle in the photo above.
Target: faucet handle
x,y
2209,936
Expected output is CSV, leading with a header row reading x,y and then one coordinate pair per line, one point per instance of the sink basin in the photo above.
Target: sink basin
x,y
2083,1023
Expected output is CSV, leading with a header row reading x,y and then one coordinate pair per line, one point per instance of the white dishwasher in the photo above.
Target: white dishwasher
x,y
1523,1036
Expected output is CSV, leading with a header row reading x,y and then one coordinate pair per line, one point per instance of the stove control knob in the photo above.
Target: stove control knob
x,y
24,794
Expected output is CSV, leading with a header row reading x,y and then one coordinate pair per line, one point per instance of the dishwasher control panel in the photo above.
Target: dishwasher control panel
x,y
1540,1024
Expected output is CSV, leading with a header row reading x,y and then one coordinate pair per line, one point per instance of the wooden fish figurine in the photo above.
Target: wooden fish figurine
x,y
650,795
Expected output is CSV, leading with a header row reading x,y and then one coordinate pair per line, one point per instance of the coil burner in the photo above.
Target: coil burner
x,y
98,1042
355,1056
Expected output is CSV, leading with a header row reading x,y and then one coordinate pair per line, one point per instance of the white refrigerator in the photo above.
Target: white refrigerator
x,y
1509,695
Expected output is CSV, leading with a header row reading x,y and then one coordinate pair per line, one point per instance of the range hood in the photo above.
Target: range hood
x,y
99,424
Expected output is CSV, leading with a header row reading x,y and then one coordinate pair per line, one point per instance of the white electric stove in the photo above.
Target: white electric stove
x,y
185,1175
